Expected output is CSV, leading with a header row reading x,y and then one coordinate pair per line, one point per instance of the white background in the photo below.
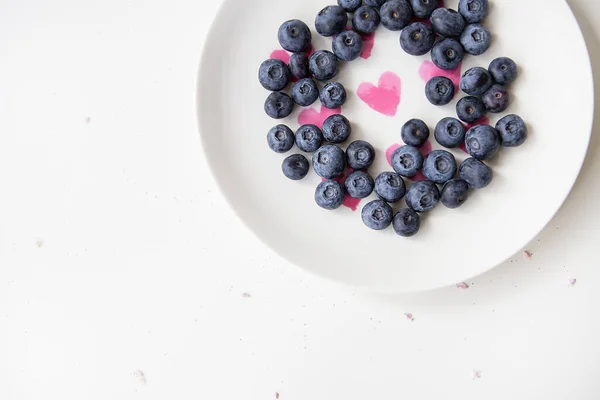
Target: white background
x,y
123,275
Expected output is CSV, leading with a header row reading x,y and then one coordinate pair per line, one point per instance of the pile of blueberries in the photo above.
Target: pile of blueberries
x,y
451,35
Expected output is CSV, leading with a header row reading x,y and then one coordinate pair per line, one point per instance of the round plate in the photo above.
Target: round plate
x,y
554,95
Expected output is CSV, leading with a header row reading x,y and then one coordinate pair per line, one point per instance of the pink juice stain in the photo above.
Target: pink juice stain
x,y
368,43
428,70
384,98
314,117
281,55
482,121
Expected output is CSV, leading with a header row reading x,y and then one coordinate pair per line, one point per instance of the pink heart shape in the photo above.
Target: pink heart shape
x,y
428,70
312,116
384,98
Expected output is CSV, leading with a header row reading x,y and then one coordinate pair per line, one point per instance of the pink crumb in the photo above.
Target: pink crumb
x,y
463,285
572,282
527,255
246,295
409,317
476,374
276,395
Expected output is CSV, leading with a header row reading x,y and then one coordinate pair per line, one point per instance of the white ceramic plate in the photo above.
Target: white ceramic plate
x,y
554,95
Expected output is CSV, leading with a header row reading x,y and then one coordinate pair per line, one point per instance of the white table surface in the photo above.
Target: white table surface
x,y
123,275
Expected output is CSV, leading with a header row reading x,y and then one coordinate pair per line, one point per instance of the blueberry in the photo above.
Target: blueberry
x,y
449,132
366,19
475,173
422,196
280,139
336,129
447,54
375,3
447,22
279,105
333,95
309,138
503,70
350,5
476,39
482,142
294,36
476,81
406,222
496,99
455,193
512,130
329,161
407,161
331,20
359,185
360,155
329,194
299,65
417,39
323,65
423,8
377,215
439,166
473,10
470,109
415,132
395,14
439,90
305,92
295,167
390,187
274,74
347,46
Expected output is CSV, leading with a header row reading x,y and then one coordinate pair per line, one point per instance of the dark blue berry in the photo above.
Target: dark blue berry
x,y
449,132
305,92
331,20
503,70
476,39
406,223
347,46
417,39
476,81
366,19
439,166
377,215
279,105
423,8
337,129
359,185
360,155
422,196
330,194
299,65
333,95
482,142
447,22
294,36
309,138
375,3
350,5
470,109
280,139
274,74
473,10
455,193
407,161
329,161
395,14
512,130
439,90
390,187
415,132
323,65
295,167
447,54
475,173
496,99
